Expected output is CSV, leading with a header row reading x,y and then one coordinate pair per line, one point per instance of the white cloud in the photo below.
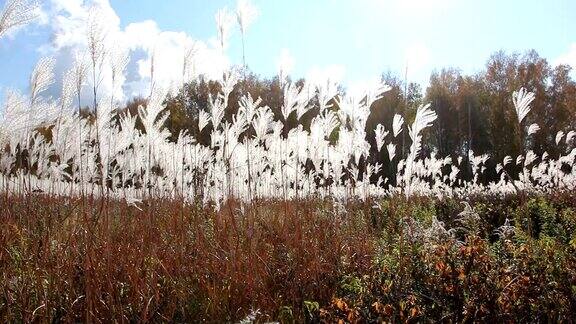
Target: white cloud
x,y
568,58
143,40
141,34
69,19
168,49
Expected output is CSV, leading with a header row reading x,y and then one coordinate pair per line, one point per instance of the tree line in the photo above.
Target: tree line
x,y
475,111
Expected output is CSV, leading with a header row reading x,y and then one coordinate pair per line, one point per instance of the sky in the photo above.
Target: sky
x,y
347,41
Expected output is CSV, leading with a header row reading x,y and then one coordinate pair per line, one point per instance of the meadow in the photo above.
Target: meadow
x,y
108,216
309,260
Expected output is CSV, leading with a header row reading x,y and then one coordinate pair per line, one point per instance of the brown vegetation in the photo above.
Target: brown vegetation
x,y
79,260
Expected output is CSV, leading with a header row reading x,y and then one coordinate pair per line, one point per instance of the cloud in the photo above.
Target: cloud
x,y
568,58
145,41
167,49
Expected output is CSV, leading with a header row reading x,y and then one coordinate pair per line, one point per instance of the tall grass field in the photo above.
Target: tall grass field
x,y
288,205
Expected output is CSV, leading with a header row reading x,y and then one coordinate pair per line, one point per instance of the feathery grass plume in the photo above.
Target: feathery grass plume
x,y
248,106
424,118
203,119
14,118
327,122
263,123
17,13
224,21
220,102
293,97
559,136
153,119
452,177
38,111
284,66
326,92
397,123
533,129
96,34
353,111
217,110
376,92
303,105
530,158
118,59
228,82
41,78
79,72
67,93
247,110
61,136
477,162
380,134
522,100
246,13
189,61
391,148
154,114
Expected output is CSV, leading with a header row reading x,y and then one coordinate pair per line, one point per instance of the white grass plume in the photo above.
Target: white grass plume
x,y
522,100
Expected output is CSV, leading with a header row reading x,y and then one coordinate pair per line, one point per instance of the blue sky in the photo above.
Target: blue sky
x,y
355,40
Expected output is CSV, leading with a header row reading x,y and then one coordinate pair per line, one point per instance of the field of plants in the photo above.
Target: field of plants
x,y
108,216
397,259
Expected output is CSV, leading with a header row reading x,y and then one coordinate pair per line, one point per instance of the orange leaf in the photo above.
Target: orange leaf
x,y
340,304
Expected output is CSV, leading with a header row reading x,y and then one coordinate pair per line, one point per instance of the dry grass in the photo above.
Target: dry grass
x,y
75,260
102,261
